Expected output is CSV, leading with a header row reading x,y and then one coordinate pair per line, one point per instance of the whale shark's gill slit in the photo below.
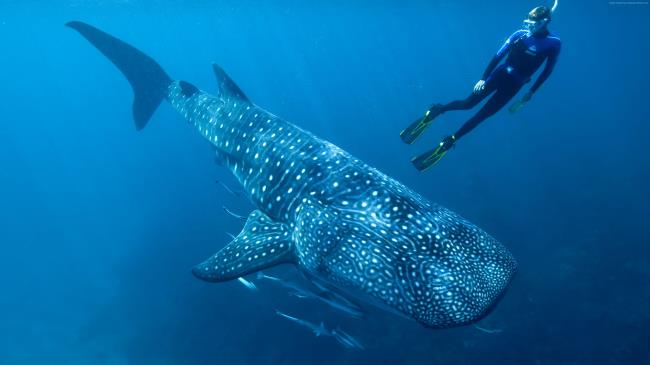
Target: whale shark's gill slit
x,y
148,80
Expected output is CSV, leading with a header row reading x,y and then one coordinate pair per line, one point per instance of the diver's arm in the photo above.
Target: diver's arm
x,y
502,52
480,85
491,66
548,69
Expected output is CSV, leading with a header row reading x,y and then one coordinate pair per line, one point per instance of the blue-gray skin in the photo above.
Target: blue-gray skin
x,y
340,221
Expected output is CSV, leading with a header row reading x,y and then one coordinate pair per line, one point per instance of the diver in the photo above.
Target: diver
x,y
524,52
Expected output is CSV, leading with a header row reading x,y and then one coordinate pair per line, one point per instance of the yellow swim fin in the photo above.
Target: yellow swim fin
x,y
430,158
415,130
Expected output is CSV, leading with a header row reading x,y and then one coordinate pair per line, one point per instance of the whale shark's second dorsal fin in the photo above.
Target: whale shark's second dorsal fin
x,y
262,243
227,86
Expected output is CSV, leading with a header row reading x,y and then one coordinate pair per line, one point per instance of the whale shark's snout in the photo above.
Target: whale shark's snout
x,y
202,271
466,286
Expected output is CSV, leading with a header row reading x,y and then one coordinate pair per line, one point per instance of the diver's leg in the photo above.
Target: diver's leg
x,y
473,99
465,104
415,130
502,96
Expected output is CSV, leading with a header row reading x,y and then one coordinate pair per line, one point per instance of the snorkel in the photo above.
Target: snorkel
x,y
555,4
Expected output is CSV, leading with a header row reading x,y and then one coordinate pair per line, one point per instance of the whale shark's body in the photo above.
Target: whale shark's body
x,y
341,222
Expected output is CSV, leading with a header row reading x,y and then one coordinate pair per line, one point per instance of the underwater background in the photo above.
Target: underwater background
x,y
100,225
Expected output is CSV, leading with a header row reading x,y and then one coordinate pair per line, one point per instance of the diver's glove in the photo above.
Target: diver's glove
x,y
479,87
520,104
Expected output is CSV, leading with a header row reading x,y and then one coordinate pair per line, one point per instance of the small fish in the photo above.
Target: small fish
x,y
339,335
490,331
328,297
318,330
299,295
347,340
284,283
248,284
230,213
339,303
231,191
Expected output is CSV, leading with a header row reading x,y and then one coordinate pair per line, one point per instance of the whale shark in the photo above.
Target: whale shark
x,y
344,224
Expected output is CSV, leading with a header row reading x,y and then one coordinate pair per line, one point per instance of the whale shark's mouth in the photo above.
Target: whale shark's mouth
x,y
489,309
500,284
461,290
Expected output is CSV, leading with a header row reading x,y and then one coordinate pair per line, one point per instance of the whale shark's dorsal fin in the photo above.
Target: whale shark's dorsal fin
x,y
227,86
261,244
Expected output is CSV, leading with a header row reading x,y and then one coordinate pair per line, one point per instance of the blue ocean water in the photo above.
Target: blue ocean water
x,y
100,224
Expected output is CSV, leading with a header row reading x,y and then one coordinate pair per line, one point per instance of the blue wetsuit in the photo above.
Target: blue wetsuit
x,y
524,54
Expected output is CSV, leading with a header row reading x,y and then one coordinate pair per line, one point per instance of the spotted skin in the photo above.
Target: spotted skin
x,y
343,222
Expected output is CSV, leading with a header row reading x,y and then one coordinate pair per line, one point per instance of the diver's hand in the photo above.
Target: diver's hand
x,y
479,87
520,104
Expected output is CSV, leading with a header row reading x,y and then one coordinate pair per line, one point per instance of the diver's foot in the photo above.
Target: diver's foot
x,y
415,130
430,158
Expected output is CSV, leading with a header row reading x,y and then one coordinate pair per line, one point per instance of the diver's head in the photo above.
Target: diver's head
x,y
537,20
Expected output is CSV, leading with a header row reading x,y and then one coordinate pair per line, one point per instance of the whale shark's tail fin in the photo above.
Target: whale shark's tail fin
x,y
148,80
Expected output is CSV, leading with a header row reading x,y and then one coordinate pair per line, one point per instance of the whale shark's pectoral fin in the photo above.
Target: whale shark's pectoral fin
x,y
261,244
227,86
